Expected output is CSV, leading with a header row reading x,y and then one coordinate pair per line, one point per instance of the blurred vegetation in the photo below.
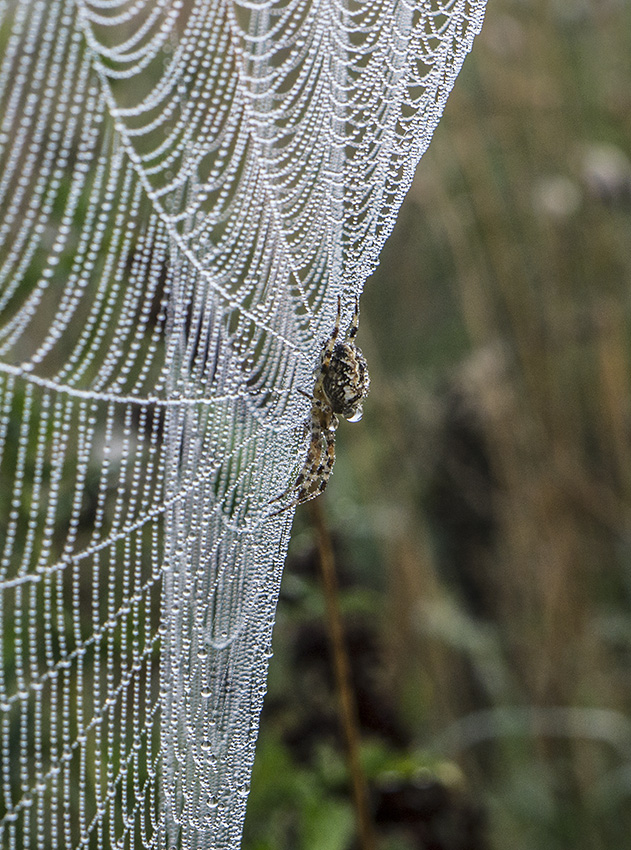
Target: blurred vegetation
x,y
482,510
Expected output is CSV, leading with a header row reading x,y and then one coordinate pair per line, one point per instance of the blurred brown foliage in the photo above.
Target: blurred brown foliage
x,y
487,494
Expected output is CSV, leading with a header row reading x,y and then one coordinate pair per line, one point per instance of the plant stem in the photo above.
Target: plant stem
x,y
347,704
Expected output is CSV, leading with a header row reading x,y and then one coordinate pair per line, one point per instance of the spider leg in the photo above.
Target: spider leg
x,y
328,350
326,467
315,482
318,465
309,473
311,465
354,325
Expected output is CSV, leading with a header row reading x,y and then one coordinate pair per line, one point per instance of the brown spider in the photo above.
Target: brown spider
x,y
341,384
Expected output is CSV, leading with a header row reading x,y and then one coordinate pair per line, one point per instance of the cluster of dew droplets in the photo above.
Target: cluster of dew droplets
x,y
185,190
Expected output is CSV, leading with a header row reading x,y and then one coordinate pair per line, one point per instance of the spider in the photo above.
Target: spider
x,y
341,384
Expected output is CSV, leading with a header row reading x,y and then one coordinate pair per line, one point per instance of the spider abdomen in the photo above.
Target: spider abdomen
x,y
346,381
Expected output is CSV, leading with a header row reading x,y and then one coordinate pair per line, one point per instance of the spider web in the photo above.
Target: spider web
x,y
186,186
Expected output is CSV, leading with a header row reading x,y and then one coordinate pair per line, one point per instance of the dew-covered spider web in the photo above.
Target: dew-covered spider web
x,y
185,188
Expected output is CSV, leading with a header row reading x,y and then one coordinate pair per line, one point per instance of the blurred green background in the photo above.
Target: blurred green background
x,y
481,511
